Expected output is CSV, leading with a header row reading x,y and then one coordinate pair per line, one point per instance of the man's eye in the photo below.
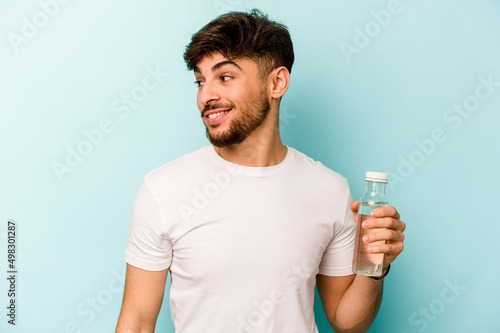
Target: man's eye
x,y
198,83
226,78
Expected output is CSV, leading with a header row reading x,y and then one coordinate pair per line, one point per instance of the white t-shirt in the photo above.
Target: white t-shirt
x,y
244,244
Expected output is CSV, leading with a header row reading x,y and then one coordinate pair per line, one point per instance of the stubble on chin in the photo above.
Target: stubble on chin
x,y
239,129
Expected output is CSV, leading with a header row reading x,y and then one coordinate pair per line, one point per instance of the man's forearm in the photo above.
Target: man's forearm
x,y
359,305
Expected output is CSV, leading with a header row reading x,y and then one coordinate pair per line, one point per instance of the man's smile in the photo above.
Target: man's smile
x,y
214,116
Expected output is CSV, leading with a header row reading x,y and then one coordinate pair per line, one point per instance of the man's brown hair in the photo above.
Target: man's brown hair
x,y
238,34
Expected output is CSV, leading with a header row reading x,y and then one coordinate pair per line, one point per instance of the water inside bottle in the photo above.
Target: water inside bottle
x,y
365,263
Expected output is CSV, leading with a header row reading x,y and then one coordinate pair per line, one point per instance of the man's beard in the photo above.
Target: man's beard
x,y
250,118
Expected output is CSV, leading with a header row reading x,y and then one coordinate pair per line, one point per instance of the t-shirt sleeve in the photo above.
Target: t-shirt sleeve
x,y
148,247
337,258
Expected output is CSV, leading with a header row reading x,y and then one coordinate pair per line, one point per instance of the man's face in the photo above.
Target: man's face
x,y
232,98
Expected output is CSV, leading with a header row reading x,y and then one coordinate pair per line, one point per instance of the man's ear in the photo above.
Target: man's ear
x,y
279,79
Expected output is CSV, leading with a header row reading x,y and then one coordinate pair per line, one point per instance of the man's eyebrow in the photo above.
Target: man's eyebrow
x,y
224,63
219,65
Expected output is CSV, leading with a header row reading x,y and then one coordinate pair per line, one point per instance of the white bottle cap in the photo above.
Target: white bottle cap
x,y
379,177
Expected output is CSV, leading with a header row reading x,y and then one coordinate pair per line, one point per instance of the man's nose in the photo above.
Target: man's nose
x,y
209,93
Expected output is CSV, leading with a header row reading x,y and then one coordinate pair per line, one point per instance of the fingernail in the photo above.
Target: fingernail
x,y
365,224
374,213
365,239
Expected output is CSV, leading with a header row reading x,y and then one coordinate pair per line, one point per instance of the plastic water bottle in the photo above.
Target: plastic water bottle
x,y
365,263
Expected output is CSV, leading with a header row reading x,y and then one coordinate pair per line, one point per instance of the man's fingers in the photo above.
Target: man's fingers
x,y
386,211
385,222
385,235
392,250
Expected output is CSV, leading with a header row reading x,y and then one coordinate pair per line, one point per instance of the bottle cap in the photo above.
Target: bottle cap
x,y
379,177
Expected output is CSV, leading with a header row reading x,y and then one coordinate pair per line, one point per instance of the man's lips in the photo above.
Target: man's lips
x,y
214,116
207,113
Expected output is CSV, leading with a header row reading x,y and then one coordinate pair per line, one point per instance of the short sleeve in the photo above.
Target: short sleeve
x,y
337,258
148,247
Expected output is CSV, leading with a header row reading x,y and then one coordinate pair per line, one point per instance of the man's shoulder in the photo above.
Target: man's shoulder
x,y
183,165
318,169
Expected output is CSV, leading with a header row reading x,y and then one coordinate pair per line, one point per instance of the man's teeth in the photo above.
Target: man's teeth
x,y
214,115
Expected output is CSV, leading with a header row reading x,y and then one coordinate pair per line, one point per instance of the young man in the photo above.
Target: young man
x,y
246,225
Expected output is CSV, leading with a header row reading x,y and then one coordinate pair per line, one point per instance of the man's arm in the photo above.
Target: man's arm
x,y
142,300
351,302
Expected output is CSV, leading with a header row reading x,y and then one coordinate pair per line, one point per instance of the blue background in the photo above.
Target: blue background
x,y
375,108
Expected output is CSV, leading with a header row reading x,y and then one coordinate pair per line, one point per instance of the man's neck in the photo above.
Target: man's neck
x,y
262,148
